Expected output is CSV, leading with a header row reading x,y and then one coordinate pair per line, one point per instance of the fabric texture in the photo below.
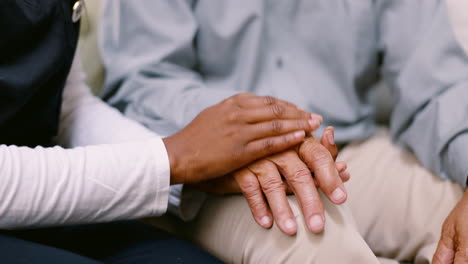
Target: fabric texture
x,y
395,210
193,54
125,175
126,242
36,52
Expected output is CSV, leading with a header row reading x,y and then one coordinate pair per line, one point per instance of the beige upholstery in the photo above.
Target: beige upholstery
x,y
88,45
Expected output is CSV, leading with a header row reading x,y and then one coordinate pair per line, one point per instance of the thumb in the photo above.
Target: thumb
x,y
461,254
445,252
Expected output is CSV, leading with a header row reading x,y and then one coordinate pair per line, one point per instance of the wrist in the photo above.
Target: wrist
x,y
465,195
173,152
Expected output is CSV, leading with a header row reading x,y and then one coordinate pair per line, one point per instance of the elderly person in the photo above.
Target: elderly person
x,y
168,60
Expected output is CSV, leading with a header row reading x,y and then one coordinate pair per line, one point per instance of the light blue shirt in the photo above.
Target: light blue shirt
x,y
168,60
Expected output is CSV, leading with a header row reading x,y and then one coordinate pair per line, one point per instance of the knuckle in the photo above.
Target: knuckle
x,y
300,176
277,110
233,116
285,158
287,139
257,207
249,186
272,185
316,154
268,144
462,251
231,100
300,124
276,126
268,100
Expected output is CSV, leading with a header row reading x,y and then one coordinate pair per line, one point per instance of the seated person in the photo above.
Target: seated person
x,y
168,60
126,174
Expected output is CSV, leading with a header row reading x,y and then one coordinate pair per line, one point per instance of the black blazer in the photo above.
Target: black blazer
x,y
37,44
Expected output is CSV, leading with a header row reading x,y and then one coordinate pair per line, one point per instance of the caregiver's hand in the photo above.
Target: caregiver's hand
x,y
234,133
453,244
262,179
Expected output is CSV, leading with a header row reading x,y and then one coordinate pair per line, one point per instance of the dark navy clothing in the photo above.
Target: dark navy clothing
x,y
120,242
37,47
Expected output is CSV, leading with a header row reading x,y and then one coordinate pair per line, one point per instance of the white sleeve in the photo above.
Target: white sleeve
x,y
110,181
87,120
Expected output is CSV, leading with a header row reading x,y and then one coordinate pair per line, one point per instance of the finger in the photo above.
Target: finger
x,y
445,253
341,166
461,255
276,111
265,147
461,252
253,193
328,140
249,101
320,161
318,117
280,127
274,190
300,180
345,176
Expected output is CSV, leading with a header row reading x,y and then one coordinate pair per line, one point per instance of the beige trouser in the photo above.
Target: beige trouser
x,y
395,210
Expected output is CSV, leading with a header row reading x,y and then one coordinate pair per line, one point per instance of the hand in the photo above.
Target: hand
x,y
228,184
453,244
233,133
262,178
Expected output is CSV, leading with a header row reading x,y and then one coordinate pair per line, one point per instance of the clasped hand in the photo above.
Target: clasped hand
x,y
301,171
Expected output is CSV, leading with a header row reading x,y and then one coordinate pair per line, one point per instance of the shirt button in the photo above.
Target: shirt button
x,y
279,63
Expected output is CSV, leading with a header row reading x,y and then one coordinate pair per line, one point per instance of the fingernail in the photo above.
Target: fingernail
x,y
290,225
265,221
316,223
338,195
299,134
314,123
331,138
319,118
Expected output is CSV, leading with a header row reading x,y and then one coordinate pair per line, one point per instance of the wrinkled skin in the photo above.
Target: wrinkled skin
x,y
453,244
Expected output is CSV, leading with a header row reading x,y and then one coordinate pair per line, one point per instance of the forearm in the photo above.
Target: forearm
x,y
54,186
430,72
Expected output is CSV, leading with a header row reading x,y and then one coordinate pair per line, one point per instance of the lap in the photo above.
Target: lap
x,y
394,205
398,205
117,242
14,250
226,228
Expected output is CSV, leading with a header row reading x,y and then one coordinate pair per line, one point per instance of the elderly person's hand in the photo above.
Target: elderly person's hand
x,y
263,179
453,244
